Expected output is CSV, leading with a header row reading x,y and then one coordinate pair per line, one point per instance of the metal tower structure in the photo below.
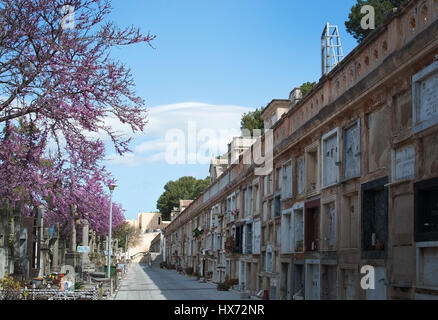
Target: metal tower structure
x,y
331,48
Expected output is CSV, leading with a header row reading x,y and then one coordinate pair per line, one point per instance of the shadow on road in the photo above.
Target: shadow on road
x,y
168,284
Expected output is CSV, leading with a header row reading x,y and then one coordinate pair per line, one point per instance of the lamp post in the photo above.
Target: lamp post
x,y
111,188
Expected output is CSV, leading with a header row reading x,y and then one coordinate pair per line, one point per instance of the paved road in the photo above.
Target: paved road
x,y
145,283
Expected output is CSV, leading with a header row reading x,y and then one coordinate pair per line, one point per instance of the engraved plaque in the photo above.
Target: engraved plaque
x,y
404,163
352,151
428,100
425,97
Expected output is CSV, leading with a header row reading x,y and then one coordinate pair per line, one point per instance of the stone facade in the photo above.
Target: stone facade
x,y
354,182
150,221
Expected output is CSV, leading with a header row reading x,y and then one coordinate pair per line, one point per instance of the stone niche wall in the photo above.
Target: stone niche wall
x,y
403,112
403,249
429,157
378,137
351,151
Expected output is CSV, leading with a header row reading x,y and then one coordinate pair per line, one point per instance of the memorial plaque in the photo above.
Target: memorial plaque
x,y
428,98
330,169
425,97
301,181
352,151
404,159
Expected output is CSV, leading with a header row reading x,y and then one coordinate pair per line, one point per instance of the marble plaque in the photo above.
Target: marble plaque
x,y
404,163
425,98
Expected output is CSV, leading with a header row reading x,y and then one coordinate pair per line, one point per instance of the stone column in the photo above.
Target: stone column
x,y
45,268
40,226
115,246
61,246
105,248
85,233
73,231
92,241
55,248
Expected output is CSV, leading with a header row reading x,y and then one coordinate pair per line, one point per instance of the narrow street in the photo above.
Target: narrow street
x,y
145,283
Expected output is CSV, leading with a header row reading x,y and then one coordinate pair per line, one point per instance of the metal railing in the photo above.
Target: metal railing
x,y
55,294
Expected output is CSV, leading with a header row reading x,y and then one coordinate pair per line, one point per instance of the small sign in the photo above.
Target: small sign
x,y
83,249
106,252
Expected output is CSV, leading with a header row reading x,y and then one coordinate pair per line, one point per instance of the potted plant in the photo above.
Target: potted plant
x,y
232,283
197,232
379,245
223,286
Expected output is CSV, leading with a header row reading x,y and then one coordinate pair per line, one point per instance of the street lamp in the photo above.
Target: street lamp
x,y
111,188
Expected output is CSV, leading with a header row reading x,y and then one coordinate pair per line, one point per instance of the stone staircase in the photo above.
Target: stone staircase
x,y
138,257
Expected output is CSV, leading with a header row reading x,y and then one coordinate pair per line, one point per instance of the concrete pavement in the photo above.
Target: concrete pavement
x,y
146,283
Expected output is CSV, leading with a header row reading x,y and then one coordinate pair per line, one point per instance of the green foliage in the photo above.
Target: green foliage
x,y
306,87
196,232
10,287
223,286
185,188
78,285
126,231
252,120
382,9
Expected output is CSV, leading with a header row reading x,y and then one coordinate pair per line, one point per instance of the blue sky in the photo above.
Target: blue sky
x,y
213,60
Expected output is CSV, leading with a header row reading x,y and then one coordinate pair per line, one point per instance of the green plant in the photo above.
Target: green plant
x,y
197,232
11,288
306,87
223,286
78,285
232,282
183,188
252,120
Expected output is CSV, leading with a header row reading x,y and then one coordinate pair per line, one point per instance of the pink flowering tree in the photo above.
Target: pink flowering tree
x,y
32,178
82,183
64,78
24,172
58,84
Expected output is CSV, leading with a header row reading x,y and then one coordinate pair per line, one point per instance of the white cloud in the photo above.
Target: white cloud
x,y
128,159
218,123
205,115
152,145
156,157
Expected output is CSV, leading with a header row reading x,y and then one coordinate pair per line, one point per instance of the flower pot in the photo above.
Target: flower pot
x,y
379,245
